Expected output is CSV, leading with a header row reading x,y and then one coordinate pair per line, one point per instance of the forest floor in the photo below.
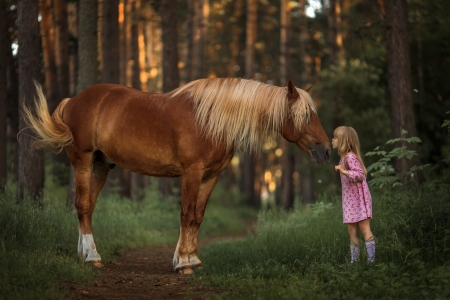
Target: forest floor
x,y
145,273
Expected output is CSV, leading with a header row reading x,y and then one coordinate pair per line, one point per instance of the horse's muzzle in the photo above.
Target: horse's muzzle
x,y
320,153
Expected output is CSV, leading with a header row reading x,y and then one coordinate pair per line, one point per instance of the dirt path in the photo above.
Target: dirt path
x,y
145,273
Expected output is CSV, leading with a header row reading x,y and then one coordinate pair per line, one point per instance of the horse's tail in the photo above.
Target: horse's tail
x,y
50,131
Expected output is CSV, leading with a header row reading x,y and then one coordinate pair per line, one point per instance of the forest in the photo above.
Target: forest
x,y
379,66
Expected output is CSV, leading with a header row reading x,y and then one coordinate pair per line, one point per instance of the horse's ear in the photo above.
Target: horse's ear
x,y
308,89
292,90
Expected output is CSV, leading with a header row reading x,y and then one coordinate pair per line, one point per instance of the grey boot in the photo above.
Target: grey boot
x,y
370,247
354,253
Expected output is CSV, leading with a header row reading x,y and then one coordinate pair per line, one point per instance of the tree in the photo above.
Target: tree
x,y
235,32
31,163
171,77
48,53
399,76
62,47
136,181
305,74
110,42
87,62
4,42
288,159
248,160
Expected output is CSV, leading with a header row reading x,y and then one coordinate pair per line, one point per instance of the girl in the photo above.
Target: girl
x,y
356,199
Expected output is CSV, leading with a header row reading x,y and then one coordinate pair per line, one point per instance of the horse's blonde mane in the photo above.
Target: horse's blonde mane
x,y
243,113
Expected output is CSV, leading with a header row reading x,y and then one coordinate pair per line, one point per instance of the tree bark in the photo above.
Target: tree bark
x,y
190,36
48,53
235,32
248,161
288,159
171,77
252,10
4,43
137,181
62,48
399,76
87,62
110,42
31,163
110,73
305,80
72,26
13,106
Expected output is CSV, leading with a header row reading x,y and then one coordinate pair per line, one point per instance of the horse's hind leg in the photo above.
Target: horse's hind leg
x,y
191,181
90,176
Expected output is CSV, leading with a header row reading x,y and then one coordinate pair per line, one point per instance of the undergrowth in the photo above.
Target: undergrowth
x,y
304,254
38,244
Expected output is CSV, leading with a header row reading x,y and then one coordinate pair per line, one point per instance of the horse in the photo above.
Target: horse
x,y
192,132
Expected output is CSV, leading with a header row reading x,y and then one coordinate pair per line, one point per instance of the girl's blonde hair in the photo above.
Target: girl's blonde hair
x,y
348,142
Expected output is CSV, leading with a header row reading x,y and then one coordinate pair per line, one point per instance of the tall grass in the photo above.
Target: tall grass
x,y
304,254
38,244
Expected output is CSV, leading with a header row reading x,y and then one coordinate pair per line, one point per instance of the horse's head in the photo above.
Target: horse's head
x,y
310,137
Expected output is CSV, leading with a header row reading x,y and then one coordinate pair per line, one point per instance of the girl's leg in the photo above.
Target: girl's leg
x,y
354,242
353,233
364,226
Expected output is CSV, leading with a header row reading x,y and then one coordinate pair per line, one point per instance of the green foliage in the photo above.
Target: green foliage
x,y
446,125
305,254
351,92
383,171
38,244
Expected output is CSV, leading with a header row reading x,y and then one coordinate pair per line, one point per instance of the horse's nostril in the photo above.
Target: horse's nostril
x,y
327,153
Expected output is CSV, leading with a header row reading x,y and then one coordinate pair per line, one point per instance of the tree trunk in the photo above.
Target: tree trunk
x,y
248,161
190,36
87,62
13,106
62,48
305,80
334,33
110,42
235,34
171,77
137,181
55,53
72,27
48,53
31,163
203,59
252,9
399,76
4,43
288,159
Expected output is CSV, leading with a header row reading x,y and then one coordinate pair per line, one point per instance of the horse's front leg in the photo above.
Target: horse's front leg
x,y
189,193
202,199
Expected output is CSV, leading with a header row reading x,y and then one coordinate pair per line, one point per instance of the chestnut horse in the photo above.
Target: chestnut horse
x,y
191,132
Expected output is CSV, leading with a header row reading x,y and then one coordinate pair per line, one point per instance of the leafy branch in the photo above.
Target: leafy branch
x,y
383,172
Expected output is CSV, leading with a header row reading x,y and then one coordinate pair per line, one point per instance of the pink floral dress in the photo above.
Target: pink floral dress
x,y
356,198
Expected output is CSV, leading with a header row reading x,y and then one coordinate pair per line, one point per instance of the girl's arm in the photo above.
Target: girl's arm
x,y
355,171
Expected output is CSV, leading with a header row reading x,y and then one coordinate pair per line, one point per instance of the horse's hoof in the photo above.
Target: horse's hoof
x,y
185,271
197,266
94,263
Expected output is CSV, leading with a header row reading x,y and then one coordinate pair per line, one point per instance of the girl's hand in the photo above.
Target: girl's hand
x,y
341,170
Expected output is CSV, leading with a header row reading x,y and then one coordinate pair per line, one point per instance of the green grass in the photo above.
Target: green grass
x,y
38,245
304,254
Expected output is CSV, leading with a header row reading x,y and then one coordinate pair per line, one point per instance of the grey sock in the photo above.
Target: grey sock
x,y
354,253
370,247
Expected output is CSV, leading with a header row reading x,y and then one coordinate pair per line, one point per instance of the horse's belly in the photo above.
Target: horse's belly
x,y
152,162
